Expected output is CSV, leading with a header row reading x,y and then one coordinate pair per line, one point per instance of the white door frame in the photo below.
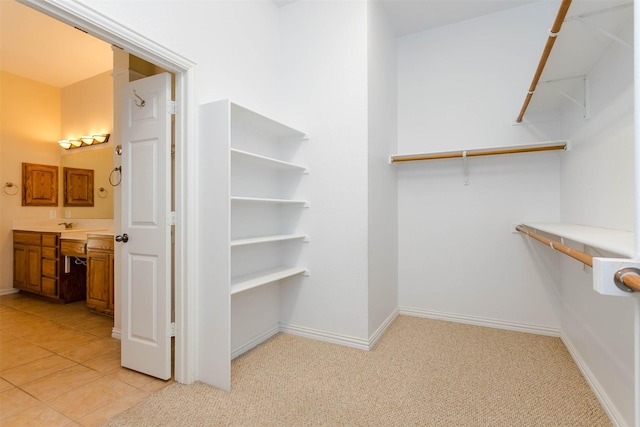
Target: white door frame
x,y
81,16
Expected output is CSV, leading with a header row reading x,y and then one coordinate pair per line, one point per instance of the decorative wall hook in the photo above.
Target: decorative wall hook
x,y
142,101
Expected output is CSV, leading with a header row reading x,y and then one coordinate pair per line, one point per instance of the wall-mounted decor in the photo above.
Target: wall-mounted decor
x,y
78,187
39,185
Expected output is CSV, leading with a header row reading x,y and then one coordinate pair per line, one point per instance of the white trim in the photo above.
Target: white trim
x,y
319,335
9,291
598,390
373,339
481,321
255,341
116,333
79,15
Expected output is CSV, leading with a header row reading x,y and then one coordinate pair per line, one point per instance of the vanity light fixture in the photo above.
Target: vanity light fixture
x,y
84,141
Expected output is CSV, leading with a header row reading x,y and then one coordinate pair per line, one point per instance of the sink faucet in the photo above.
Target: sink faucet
x,y
67,225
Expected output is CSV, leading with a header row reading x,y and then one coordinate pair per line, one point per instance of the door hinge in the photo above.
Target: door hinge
x,y
172,218
171,107
172,329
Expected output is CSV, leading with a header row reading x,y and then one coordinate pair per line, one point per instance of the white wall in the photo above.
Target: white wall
x,y
382,192
235,44
598,189
460,87
324,81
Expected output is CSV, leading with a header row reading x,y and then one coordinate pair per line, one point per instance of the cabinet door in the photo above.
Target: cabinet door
x,y
20,266
34,268
99,294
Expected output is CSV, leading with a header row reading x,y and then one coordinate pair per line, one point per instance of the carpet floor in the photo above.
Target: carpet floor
x,y
422,372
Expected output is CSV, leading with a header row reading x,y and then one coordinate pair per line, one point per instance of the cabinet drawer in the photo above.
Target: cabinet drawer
x,y
49,268
73,248
27,238
50,253
49,239
100,243
49,286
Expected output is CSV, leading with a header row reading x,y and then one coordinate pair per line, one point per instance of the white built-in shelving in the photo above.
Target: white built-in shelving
x,y
253,280
259,200
265,161
262,177
253,191
268,239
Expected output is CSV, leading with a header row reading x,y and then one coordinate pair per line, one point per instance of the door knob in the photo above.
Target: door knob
x,y
124,238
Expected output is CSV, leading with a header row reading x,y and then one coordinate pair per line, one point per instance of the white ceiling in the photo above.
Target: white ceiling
x,y
412,16
43,49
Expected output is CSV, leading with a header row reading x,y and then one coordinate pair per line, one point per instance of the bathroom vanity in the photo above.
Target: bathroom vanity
x,y
65,266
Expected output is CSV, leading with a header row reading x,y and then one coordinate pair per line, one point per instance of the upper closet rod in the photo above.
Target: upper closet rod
x,y
475,153
632,281
557,24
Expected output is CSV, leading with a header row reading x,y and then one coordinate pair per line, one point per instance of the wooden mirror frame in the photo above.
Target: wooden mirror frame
x,y
78,187
39,185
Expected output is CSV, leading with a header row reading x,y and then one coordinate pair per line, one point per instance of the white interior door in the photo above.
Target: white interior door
x,y
145,235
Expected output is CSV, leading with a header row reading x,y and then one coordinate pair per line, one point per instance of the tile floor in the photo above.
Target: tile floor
x,y
59,366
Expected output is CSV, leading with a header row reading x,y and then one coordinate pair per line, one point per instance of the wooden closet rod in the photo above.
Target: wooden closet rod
x,y
557,24
456,154
632,281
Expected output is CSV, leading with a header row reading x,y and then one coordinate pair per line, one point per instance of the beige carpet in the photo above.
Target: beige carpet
x,y
422,373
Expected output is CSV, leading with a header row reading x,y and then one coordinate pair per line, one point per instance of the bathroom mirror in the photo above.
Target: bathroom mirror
x,y
100,161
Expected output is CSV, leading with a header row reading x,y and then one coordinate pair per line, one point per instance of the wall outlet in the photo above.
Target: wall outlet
x,y
67,213
52,213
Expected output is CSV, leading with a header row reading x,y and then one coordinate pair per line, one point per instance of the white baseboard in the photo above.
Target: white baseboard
x,y
116,333
9,291
605,401
330,337
255,341
373,339
481,321
346,340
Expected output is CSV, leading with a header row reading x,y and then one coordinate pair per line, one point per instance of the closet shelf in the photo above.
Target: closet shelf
x,y
258,159
615,241
514,149
250,281
268,239
265,125
239,199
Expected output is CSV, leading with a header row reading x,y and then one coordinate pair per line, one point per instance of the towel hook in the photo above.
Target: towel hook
x,y
142,101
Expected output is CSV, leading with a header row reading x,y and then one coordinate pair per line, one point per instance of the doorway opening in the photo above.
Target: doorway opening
x,y
105,29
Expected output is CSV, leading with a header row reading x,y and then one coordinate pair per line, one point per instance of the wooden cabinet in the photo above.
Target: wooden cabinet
x,y
27,254
37,267
100,273
50,264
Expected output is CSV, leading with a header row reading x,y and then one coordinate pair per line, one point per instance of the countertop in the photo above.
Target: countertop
x,y
79,233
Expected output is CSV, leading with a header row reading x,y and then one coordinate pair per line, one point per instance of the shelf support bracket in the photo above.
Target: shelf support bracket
x,y
593,27
583,105
465,161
